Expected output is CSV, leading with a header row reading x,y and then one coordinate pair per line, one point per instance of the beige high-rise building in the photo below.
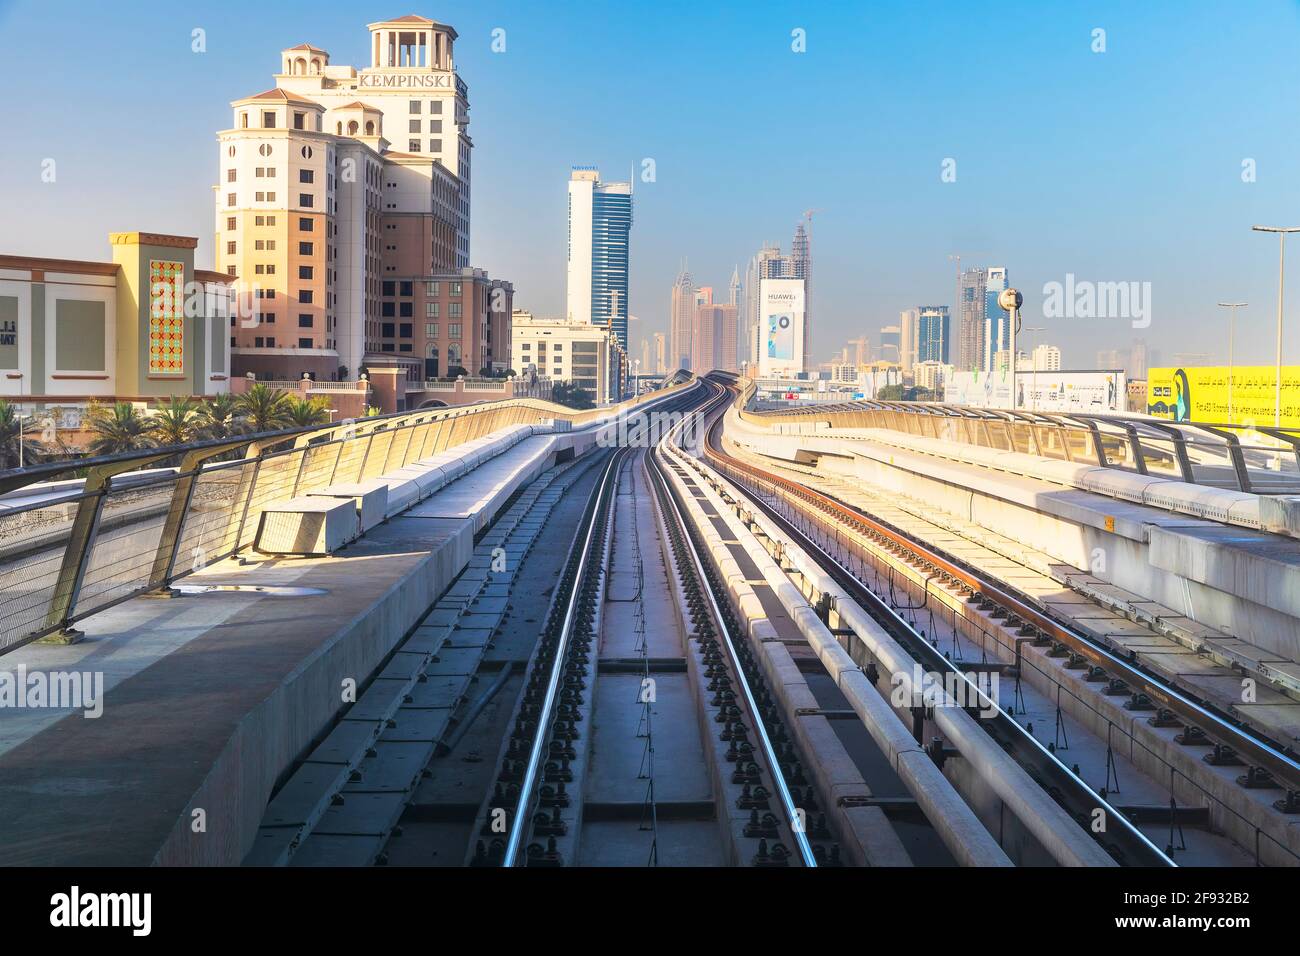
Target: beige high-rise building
x,y
681,319
659,354
335,180
713,338
909,321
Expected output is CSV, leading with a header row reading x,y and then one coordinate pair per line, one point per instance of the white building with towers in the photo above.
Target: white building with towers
x,y
337,182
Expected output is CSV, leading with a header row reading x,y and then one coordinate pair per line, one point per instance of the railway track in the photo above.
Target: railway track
x,y
601,709
1170,706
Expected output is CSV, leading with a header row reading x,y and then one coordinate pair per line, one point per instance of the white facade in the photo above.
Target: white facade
x,y
562,350
411,84
582,191
930,375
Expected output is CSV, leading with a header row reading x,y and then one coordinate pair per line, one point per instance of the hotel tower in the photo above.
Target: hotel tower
x,y
343,207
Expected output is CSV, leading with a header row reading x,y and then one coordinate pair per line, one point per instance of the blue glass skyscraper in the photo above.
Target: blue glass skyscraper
x,y
600,226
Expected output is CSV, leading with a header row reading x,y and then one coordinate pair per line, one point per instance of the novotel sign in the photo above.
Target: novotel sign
x,y
406,81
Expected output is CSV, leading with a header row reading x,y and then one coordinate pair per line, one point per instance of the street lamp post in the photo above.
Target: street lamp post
x,y
1282,232
1232,327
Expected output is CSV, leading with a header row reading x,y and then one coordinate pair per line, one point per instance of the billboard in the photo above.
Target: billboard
x,y
781,319
1059,392
1202,394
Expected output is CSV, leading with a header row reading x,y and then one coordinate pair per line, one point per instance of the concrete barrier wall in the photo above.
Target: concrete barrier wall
x,y
1240,582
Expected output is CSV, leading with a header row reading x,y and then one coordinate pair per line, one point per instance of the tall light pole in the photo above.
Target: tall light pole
x,y
1232,326
1282,232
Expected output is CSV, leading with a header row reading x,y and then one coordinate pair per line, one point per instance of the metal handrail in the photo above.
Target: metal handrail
x,y
42,575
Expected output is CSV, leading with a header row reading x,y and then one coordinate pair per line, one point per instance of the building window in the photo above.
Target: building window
x,y
431,330
230,175
304,248
265,149
414,126
454,310
390,288
431,310
304,322
431,288
231,223
388,310
413,146
304,296
435,126
407,288
304,272
298,120
306,200
453,330
270,220
386,330
230,248
304,343
270,341
405,330
306,176
415,107
305,224
454,290
435,107
406,309
435,146
230,199
268,119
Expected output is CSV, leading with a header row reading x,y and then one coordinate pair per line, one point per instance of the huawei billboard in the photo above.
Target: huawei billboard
x,y
781,319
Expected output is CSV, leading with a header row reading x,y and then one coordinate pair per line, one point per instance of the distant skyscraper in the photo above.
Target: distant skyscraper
x,y
970,314
908,328
600,225
891,344
1044,358
733,287
762,266
659,354
932,334
801,256
997,323
713,338
681,318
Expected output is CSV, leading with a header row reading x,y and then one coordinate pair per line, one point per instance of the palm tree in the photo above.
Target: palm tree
x,y
264,409
308,411
176,423
219,417
118,429
12,431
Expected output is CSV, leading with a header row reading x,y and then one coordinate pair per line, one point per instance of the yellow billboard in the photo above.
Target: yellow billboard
x,y
1208,394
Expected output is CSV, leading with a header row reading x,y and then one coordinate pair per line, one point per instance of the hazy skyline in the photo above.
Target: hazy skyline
x,y
1117,166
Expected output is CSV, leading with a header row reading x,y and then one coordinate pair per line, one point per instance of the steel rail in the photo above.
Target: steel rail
x,y
1190,710
914,644
521,819
797,827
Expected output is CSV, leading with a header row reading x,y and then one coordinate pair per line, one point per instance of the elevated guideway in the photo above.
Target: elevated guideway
x,y
215,683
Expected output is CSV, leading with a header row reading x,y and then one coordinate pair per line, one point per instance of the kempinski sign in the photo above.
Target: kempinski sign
x,y
406,81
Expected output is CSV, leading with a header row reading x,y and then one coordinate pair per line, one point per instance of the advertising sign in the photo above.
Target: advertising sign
x,y
1062,392
781,320
1208,394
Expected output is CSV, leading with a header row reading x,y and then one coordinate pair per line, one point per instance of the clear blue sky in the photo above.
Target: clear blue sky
x,y
1123,165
